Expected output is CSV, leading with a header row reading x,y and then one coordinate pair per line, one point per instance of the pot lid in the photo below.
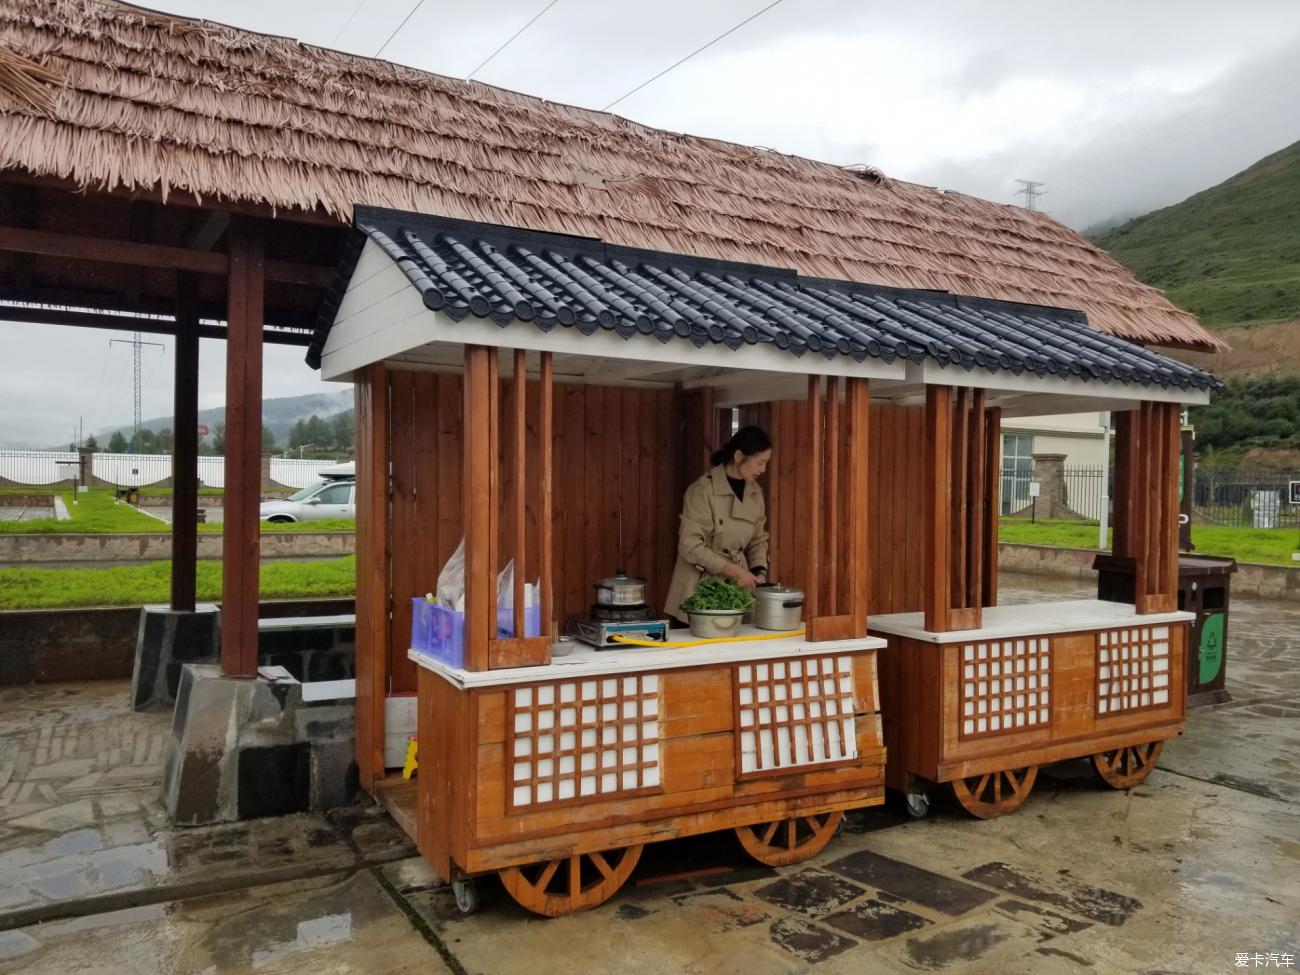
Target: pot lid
x,y
771,589
620,578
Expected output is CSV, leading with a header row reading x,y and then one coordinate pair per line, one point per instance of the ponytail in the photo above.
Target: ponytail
x,y
748,440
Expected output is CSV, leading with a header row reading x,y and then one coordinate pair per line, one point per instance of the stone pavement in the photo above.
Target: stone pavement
x,y
1178,875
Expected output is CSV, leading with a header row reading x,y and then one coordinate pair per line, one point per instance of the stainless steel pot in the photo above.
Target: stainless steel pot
x,y
620,589
714,624
778,607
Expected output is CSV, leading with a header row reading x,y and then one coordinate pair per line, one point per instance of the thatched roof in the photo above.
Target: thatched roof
x,y
108,95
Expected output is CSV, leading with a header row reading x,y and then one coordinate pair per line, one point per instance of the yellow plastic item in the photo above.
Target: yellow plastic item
x,y
412,757
699,643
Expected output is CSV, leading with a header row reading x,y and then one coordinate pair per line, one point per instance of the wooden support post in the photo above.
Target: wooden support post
x,y
976,486
992,505
858,404
958,561
937,578
546,475
816,527
1122,542
185,445
372,396
243,489
476,514
519,440
832,606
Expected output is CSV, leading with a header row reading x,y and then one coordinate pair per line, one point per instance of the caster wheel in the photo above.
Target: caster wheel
x,y
466,896
917,804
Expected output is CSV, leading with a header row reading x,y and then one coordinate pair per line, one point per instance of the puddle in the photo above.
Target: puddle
x,y
963,945
319,932
93,922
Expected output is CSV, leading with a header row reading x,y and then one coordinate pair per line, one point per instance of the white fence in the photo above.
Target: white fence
x,y
38,466
297,473
139,470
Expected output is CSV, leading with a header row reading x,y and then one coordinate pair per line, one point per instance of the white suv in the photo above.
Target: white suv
x,y
330,499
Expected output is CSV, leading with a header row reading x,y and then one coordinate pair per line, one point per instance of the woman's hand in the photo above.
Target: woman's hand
x,y
742,576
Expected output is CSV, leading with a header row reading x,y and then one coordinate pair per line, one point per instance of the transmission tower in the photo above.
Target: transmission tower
x,y
136,344
1030,191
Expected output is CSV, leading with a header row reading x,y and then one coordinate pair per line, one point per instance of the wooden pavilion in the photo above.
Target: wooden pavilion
x,y
548,398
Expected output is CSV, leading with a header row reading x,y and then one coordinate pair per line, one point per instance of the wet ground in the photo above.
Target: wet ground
x,y
1180,874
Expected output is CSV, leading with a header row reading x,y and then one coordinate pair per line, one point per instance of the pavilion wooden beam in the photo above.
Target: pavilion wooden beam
x,y
992,505
185,446
134,323
164,257
858,406
241,538
373,560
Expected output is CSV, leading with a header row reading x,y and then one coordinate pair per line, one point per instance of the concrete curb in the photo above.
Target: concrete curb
x,y
1253,579
146,547
123,899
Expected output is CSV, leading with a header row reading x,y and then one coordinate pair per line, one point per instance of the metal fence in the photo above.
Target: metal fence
x,y
1244,499
41,467
1083,490
1236,498
38,466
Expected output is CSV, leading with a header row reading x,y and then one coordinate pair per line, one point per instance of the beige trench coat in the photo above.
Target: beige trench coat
x,y
716,529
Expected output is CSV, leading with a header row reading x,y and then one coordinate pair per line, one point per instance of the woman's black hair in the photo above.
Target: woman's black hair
x,y
748,440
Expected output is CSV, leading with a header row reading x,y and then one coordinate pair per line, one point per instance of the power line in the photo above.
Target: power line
x,y
536,18
705,47
348,23
1029,190
418,5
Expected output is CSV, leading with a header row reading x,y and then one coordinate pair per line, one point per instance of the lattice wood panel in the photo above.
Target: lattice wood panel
x,y
1132,669
1005,686
794,712
574,740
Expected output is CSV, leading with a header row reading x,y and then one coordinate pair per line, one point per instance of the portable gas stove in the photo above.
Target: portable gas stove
x,y
603,623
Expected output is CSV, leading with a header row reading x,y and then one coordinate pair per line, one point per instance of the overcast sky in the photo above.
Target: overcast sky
x,y
1119,107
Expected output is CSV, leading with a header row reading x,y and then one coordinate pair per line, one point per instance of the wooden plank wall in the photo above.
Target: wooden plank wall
x,y
619,474
894,522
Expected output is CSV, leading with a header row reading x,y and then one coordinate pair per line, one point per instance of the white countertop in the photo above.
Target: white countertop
x,y
1033,619
587,661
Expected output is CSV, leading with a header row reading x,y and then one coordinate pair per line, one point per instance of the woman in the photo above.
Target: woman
x,y
724,521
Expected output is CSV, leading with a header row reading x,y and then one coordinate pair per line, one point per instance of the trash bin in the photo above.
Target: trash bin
x,y
1203,584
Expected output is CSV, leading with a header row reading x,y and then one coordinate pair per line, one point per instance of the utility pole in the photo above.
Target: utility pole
x,y
1030,191
136,344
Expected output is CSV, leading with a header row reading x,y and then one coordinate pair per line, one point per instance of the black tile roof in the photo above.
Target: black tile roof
x,y
556,281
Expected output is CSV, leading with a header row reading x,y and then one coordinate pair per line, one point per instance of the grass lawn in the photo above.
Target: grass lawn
x,y
1266,545
134,585
96,513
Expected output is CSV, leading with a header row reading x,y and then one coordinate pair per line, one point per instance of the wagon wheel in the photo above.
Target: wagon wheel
x,y
995,794
787,841
1123,768
570,884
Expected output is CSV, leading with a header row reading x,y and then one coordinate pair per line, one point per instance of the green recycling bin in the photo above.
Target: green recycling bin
x,y
1203,584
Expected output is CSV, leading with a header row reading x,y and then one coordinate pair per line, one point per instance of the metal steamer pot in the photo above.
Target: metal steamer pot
x,y
778,607
620,589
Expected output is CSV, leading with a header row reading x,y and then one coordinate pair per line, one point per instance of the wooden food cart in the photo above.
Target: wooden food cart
x,y
548,399
978,696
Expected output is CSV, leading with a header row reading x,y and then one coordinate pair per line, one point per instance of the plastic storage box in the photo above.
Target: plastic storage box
x,y
440,632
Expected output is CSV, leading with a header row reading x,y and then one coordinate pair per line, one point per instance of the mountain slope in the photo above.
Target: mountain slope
x,y
280,413
1229,254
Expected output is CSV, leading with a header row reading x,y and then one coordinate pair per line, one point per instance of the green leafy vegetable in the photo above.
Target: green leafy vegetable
x,y
716,594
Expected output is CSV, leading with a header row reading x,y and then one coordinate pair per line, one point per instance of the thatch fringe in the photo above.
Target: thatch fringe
x,y
26,81
156,101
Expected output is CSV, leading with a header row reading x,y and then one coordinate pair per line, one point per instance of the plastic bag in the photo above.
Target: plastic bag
x,y
506,587
451,580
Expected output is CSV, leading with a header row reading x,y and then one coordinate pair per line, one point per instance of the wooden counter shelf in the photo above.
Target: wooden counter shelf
x,y
982,709
556,776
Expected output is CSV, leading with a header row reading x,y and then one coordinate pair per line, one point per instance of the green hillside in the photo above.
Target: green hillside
x,y
1229,254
